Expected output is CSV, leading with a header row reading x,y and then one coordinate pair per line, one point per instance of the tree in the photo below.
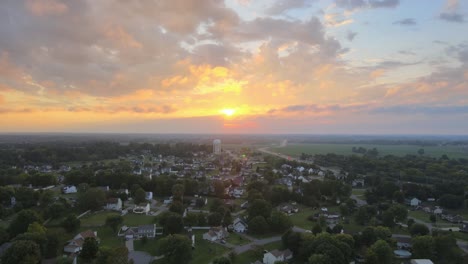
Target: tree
x,y
93,199
222,260
55,210
423,247
4,236
279,222
178,191
419,230
53,243
258,225
316,229
140,196
292,240
118,255
171,222
177,207
259,207
114,221
177,249
319,259
381,252
22,251
214,219
90,249
71,223
433,218
421,151
22,221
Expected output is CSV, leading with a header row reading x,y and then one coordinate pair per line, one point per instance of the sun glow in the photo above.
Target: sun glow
x,y
228,111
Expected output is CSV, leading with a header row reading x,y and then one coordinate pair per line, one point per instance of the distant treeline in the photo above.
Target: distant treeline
x,y
55,153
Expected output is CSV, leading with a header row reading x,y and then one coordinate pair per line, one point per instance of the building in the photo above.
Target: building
x,y
464,227
149,196
413,202
216,234
216,146
114,204
277,255
142,208
149,231
421,261
69,189
75,245
240,225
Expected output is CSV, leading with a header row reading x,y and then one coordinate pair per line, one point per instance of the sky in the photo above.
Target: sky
x,y
234,66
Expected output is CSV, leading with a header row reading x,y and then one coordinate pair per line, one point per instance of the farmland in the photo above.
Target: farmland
x,y
295,150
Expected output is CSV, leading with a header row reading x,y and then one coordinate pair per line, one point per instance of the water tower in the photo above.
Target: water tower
x,y
216,146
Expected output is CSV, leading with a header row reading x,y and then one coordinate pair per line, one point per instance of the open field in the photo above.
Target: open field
x,y
346,149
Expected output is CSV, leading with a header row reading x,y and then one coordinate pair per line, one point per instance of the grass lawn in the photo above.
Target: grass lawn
x,y
300,219
150,246
346,149
136,220
236,239
359,192
205,251
95,219
108,237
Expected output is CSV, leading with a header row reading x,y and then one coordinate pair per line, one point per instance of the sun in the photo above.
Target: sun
x,y
228,111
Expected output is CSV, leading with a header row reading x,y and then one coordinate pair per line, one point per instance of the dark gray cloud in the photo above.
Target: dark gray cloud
x,y
282,6
452,17
421,109
405,22
358,4
351,35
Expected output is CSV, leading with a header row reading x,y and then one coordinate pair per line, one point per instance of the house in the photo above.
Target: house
x,y
142,208
149,231
114,204
277,255
438,210
245,205
237,192
238,181
413,202
240,225
288,209
75,245
359,183
216,234
149,196
452,218
404,243
464,227
69,189
421,261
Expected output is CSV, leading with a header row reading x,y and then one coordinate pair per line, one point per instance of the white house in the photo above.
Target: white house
x,y
239,225
413,202
76,243
142,208
216,234
114,204
69,189
149,196
276,255
138,232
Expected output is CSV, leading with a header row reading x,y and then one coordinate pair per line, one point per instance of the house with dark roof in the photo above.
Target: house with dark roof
x,y
239,225
149,231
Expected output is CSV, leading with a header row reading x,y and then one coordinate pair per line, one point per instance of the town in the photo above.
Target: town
x,y
103,202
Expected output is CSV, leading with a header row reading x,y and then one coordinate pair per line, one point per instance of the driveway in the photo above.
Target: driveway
x,y
129,245
140,257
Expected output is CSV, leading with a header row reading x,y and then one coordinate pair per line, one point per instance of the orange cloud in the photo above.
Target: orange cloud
x,y
46,7
121,36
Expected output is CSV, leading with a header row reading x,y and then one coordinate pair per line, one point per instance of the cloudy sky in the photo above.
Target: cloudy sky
x,y
234,66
